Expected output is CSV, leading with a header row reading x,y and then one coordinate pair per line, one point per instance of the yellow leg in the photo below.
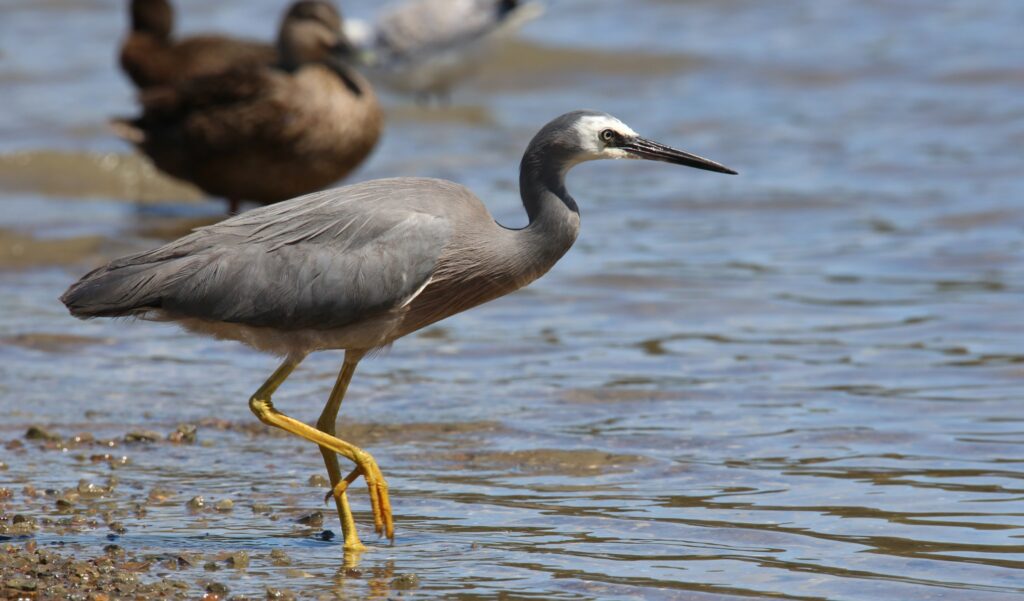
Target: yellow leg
x,y
261,405
326,424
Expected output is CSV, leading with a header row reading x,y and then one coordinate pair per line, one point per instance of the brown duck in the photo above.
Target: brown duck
x,y
266,134
151,57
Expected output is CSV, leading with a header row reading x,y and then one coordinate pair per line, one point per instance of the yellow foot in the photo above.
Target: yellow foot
x,y
383,520
353,548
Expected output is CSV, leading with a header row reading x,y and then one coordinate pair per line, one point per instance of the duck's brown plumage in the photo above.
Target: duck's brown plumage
x,y
150,56
263,134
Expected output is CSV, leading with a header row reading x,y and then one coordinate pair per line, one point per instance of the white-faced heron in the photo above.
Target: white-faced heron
x,y
358,267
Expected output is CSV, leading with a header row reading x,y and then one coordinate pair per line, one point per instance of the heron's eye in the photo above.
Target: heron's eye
x,y
607,135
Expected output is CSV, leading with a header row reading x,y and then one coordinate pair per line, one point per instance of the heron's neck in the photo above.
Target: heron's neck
x,y
554,216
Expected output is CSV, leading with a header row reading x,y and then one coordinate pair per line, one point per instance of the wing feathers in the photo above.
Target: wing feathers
x,y
322,261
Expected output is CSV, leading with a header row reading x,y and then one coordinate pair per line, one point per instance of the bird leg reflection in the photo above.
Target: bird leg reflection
x,y
263,408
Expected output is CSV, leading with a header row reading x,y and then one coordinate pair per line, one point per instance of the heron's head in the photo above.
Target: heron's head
x,y
589,135
310,32
154,17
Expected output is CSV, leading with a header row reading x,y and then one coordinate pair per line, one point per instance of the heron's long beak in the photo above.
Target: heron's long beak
x,y
653,151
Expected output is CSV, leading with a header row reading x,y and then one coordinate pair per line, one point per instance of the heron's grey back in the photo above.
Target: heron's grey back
x,y
324,260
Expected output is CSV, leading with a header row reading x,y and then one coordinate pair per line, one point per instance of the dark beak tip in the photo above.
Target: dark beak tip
x,y
648,149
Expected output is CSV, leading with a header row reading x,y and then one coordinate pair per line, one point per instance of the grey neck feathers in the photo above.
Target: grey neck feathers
x,y
542,182
554,215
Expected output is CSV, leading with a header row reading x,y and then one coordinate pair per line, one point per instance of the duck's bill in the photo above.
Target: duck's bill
x,y
653,151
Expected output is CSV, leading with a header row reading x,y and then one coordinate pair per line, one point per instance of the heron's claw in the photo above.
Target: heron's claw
x,y
380,502
383,522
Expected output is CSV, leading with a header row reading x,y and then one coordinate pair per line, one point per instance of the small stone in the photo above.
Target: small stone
x,y
238,560
142,436
133,566
217,588
326,535
6,493
196,503
66,502
83,438
91,490
114,551
117,527
261,508
405,582
279,558
224,505
41,433
20,584
280,594
23,519
183,434
313,520
318,481
159,495
211,566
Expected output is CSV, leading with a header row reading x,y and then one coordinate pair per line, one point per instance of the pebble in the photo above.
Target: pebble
x,y
224,505
314,520
238,560
183,434
41,433
91,490
159,495
142,436
326,535
405,582
280,594
217,588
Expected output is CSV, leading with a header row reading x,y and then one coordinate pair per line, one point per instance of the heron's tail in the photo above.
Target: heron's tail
x,y
125,288
107,292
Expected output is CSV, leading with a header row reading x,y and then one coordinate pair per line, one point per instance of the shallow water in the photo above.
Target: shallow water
x,y
804,382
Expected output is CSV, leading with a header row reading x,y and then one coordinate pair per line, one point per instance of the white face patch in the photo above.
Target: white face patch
x,y
589,129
